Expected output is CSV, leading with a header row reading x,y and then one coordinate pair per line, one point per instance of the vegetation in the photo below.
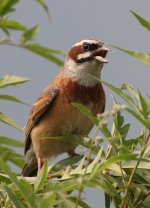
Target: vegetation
x,y
122,170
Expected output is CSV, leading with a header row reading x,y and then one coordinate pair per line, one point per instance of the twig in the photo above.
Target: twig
x,y
140,202
123,203
85,170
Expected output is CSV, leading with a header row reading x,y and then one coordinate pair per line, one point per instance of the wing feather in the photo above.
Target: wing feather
x,y
38,109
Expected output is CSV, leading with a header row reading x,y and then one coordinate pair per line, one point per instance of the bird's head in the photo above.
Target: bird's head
x,y
85,58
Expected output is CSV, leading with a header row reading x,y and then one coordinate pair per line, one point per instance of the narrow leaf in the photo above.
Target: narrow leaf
x,y
10,80
45,52
107,201
11,98
45,7
63,163
5,119
48,200
6,31
140,117
10,142
131,164
142,21
24,192
68,138
7,6
41,178
29,34
144,57
67,185
135,112
4,178
13,197
105,164
8,154
12,24
118,91
144,104
86,111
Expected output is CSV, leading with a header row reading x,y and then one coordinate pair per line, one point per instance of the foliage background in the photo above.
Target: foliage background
x,y
70,22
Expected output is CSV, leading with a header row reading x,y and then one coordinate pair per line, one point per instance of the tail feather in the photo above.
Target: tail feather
x,y
30,168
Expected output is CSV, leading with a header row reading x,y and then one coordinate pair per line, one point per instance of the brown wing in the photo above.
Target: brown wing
x,y
38,109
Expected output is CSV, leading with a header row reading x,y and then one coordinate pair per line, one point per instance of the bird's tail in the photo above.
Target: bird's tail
x,y
30,168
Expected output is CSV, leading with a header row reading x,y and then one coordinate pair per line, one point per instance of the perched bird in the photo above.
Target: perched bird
x,y
53,113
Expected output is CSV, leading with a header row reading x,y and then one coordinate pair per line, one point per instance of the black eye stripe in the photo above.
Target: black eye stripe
x,y
90,47
93,47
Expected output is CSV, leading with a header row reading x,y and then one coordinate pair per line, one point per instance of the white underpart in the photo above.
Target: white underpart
x,y
88,41
80,73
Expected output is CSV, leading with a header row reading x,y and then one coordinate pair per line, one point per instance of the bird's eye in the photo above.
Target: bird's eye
x,y
86,46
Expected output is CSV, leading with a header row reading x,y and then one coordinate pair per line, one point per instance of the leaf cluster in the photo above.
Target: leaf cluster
x,y
28,36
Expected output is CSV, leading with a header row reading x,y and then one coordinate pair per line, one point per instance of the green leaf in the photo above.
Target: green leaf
x,y
107,201
142,21
125,129
72,138
17,160
23,186
11,80
29,34
11,98
6,31
6,6
45,7
139,116
63,163
81,204
95,183
105,164
13,197
143,104
67,201
86,111
41,177
10,142
117,200
131,164
144,57
5,178
146,201
5,119
67,185
8,154
45,52
135,110
48,200
12,24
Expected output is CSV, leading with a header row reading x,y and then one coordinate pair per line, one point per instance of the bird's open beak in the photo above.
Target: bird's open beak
x,y
100,55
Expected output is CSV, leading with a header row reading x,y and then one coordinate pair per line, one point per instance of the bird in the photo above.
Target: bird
x,y
53,114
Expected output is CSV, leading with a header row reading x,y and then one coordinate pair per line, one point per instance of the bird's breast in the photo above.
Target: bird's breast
x,y
93,97
62,118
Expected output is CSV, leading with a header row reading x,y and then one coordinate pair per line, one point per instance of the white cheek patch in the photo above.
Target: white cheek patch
x,y
84,55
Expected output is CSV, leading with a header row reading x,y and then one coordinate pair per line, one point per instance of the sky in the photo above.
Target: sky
x,y
71,21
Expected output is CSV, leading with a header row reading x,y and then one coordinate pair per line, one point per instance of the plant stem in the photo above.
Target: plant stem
x,y
124,203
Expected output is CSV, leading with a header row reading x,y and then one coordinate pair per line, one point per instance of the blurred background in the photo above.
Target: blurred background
x,y
71,21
